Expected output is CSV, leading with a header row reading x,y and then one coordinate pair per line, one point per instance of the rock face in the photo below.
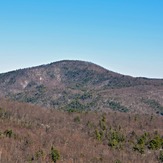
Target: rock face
x,y
82,85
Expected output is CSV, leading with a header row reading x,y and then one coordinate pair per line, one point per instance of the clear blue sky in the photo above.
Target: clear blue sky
x,y
121,35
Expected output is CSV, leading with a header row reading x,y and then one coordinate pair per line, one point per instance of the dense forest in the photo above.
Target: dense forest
x,y
33,134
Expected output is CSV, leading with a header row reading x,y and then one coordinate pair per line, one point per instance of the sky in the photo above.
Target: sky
x,y
121,35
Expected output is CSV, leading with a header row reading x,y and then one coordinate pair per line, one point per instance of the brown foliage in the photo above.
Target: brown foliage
x,y
35,130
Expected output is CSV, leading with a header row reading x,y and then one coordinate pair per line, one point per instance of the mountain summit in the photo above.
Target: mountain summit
x,y
82,85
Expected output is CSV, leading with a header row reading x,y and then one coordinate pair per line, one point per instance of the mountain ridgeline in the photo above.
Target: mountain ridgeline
x,y
79,85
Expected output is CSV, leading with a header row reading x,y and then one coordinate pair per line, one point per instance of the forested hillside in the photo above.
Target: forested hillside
x,y
32,134
78,85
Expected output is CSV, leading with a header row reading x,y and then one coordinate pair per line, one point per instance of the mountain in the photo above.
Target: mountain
x,y
79,85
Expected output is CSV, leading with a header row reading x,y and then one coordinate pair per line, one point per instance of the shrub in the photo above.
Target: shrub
x,y
77,119
139,148
8,133
115,139
39,154
55,155
160,158
155,143
141,142
98,135
117,161
102,123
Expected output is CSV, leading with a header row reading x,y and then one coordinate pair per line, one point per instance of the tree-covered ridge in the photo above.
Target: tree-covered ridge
x,y
65,84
